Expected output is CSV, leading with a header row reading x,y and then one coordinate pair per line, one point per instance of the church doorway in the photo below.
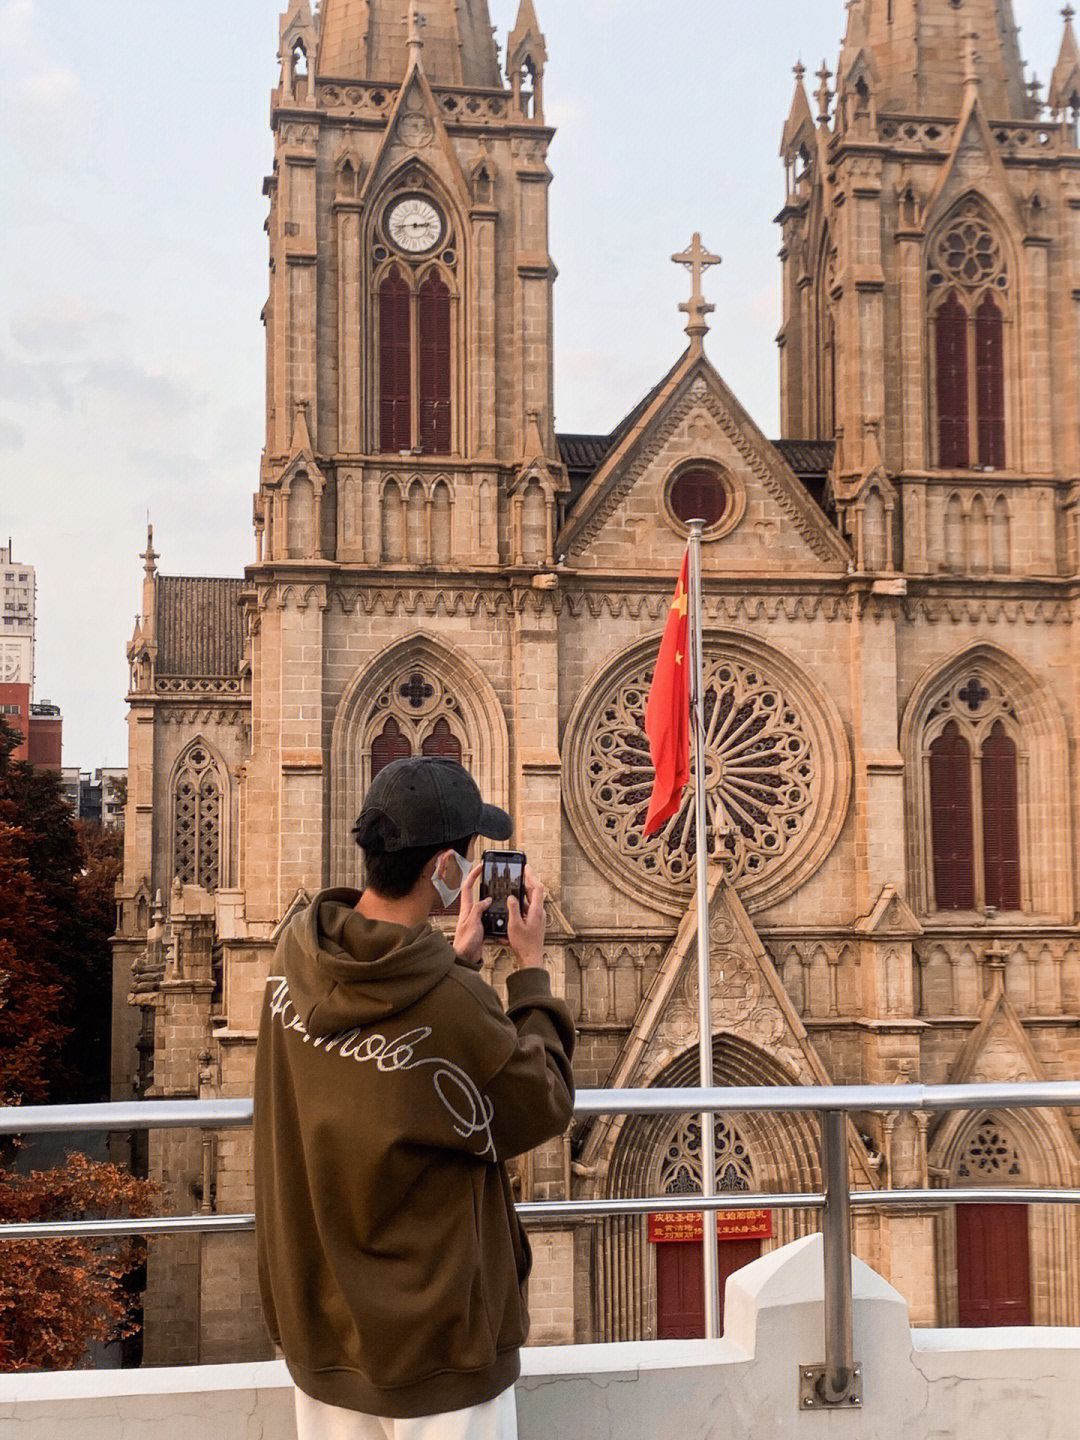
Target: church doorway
x,y
993,1267
680,1293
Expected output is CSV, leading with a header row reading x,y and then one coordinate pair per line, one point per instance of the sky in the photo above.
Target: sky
x,y
133,267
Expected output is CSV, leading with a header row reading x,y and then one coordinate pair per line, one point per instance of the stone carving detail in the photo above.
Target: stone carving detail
x,y
680,1168
197,820
969,254
185,685
990,1155
975,700
762,779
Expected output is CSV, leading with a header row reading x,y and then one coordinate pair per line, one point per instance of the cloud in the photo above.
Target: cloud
x,y
12,437
51,108
29,382
65,322
134,384
166,465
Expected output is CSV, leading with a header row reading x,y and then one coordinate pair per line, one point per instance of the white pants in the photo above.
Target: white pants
x,y
497,1420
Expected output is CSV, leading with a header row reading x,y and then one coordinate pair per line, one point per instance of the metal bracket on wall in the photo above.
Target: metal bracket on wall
x,y
814,1389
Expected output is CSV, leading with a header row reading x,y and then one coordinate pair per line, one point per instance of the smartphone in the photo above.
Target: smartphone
x,y
503,875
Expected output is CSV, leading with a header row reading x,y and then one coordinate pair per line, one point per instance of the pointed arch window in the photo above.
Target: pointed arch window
x,y
417,715
198,792
952,821
973,770
990,382
969,290
395,363
415,329
950,334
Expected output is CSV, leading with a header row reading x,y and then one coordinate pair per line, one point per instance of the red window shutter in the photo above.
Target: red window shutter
x,y
1001,820
951,825
990,382
395,368
950,334
390,745
699,495
434,350
443,742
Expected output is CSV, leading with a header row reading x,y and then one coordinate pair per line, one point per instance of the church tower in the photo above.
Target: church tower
x,y
409,318
935,202
409,435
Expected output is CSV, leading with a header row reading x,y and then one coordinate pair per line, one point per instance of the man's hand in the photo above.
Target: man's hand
x,y
469,935
525,934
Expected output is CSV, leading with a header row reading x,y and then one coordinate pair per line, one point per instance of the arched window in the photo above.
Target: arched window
x,y
433,331
951,820
968,285
950,330
442,742
415,329
990,382
421,718
198,793
389,745
1001,821
395,364
974,792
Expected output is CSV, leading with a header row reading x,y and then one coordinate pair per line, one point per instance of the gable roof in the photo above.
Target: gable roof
x,y
810,460
200,627
692,379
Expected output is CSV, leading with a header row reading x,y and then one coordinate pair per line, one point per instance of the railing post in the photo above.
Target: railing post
x,y
836,1383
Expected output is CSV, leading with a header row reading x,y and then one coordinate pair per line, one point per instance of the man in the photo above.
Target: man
x,y
390,1088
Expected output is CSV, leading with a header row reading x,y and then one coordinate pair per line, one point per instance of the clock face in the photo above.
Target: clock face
x,y
414,224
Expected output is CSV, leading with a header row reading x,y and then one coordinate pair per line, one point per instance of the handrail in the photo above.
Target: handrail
x,y
837,1382
214,1114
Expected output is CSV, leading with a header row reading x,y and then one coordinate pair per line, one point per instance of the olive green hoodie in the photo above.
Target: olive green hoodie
x,y
390,1087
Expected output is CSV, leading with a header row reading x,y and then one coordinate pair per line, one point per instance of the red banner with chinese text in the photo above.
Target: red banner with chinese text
x,y
668,1226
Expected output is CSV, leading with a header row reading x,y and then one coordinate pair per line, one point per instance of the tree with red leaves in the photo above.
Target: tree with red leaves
x,y
59,1296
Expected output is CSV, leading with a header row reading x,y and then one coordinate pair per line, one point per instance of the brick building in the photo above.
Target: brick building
x,y
891,591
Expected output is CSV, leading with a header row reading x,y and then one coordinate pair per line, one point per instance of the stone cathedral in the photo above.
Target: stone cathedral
x,y
893,678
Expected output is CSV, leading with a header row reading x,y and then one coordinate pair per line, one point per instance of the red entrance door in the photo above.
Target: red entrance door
x,y
680,1291
992,1264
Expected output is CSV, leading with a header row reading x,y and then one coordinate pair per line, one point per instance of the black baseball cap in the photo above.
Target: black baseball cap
x,y
426,800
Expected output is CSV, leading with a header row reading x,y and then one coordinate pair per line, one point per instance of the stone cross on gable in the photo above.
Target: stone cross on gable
x,y
697,260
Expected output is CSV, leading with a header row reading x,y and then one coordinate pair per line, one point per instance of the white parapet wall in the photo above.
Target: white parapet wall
x,y
1021,1384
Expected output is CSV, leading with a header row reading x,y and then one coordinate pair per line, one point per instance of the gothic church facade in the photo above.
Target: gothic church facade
x,y
893,678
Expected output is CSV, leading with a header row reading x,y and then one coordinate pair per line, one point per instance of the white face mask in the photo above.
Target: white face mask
x,y
449,877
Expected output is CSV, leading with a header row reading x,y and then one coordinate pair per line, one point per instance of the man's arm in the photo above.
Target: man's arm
x,y
532,1095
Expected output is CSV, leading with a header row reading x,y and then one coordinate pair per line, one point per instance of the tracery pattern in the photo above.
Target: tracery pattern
x,y
197,820
969,254
990,1154
760,775
420,712
680,1169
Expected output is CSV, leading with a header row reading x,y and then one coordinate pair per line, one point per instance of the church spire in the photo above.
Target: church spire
x,y
913,45
373,40
1064,93
526,56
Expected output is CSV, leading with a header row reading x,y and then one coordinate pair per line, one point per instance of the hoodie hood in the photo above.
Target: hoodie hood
x,y
345,971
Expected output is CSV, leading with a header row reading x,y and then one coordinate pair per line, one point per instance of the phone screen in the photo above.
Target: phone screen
x,y
503,875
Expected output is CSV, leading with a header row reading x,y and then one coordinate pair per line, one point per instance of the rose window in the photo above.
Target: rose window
x,y
776,767
759,773
969,254
990,1155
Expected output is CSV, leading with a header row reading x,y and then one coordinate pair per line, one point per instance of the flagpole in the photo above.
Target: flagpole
x,y
710,1261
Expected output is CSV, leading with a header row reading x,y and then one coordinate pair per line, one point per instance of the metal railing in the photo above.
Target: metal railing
x,y
836,1383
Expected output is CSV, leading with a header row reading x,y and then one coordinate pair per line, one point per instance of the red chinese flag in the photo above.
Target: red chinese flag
x,y
667,715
